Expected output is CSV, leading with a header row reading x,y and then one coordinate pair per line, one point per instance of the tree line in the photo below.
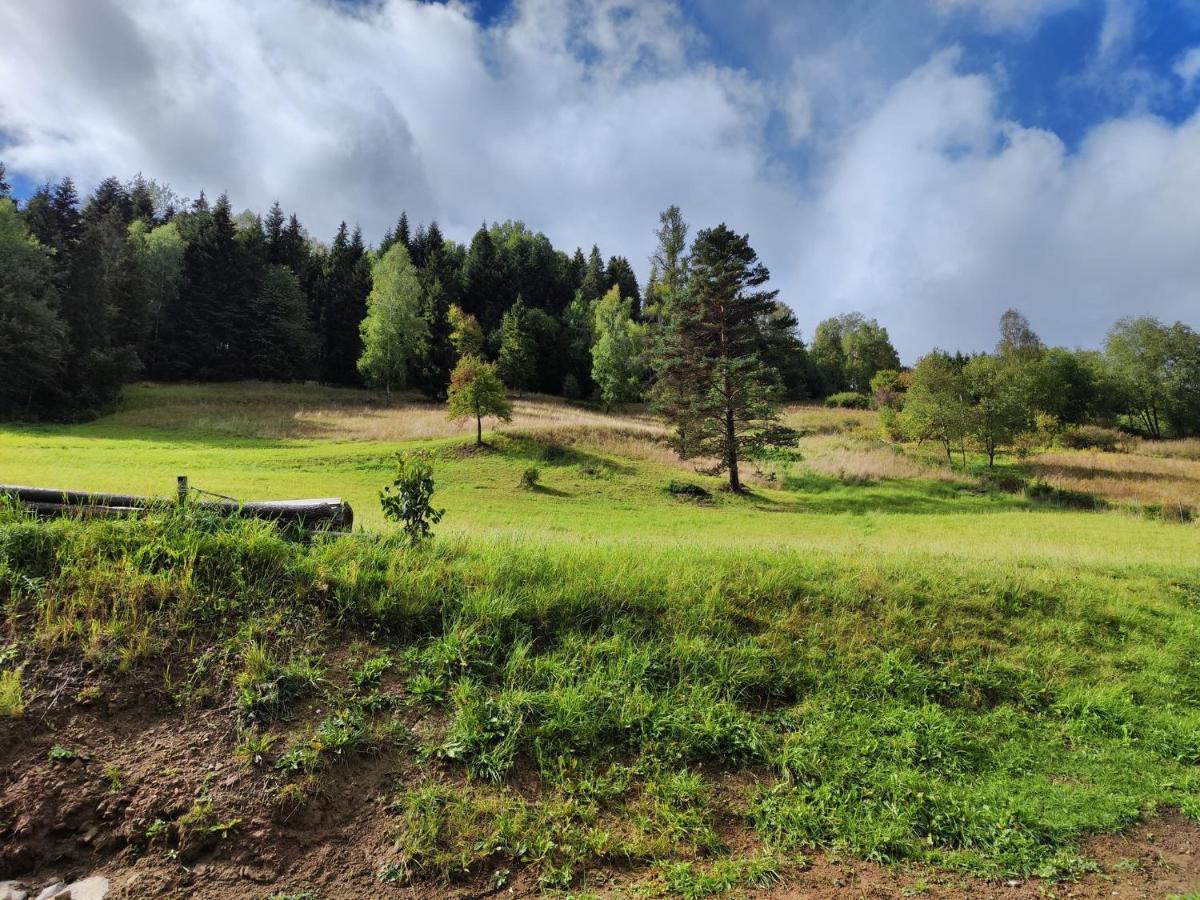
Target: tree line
x,y
134,282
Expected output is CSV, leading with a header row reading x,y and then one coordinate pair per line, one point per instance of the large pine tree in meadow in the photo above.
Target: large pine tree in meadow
x,y
711,382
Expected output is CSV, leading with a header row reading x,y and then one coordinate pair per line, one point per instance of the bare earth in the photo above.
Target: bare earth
x,y
66,820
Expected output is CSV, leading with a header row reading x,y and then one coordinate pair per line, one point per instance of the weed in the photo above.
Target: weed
x,y
114,777
59,753
530,478
12,699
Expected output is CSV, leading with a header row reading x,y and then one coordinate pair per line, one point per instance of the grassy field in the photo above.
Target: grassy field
x,y
603,477
593,685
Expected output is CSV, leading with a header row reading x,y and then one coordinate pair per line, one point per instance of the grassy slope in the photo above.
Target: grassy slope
x,y
941,675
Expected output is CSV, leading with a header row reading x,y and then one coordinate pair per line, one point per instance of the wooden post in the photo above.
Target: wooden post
x,y
181,487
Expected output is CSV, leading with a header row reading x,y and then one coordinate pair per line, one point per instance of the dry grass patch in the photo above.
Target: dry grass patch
x,y
860,461
282,411
1131,478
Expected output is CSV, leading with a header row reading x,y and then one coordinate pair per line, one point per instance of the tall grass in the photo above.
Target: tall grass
x,y
977,716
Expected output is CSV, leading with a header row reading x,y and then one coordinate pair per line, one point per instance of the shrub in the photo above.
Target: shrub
x,y
530,477
409,499
848,400
1095,437
570,388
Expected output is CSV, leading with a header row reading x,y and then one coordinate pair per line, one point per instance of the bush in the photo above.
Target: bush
x,y
570,388
530,478
1095,437
409,499
848,400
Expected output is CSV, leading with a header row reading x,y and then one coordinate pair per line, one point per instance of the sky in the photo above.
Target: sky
x,y
930,163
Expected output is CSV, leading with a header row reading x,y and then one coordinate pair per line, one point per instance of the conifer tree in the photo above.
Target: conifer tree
x,y
516,363
712,384
481,280
595,278
620,273
33,342
5,187
282,343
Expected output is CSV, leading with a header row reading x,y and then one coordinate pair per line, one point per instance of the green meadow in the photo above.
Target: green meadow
x,y
869,655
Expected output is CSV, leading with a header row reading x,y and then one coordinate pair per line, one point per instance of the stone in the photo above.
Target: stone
x,y
50,891
93,888
12,890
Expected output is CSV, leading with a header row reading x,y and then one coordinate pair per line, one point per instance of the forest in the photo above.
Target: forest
x,y
133,282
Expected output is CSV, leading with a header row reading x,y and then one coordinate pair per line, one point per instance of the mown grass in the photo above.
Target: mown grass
x,y
615,705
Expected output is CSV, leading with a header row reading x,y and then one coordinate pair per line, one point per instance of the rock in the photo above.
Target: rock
x,y
50,891
12,890
93,888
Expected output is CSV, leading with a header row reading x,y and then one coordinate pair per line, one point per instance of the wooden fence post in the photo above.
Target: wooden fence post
x,y
181,486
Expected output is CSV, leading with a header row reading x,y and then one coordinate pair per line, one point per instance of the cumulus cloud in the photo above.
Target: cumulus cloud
x,y
1188,67
938,215
918,201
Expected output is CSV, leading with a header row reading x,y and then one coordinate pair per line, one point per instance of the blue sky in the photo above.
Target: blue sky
x,y
927,162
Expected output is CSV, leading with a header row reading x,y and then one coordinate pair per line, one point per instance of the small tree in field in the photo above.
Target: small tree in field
x,y
476,390
409,498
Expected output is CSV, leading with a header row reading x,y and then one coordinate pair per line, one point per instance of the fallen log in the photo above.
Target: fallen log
x,y
331,513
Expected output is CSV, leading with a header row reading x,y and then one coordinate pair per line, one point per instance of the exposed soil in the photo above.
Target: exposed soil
x,y
138,759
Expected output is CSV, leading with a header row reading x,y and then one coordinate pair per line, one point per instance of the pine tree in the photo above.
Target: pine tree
x,y
437,360
33,343
282,344
516,362
620,273
5,187
394,334
712,384
341,301
401,233
595,278
482,280
273,228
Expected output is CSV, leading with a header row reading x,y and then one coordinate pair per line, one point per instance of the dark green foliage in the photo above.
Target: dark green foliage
x,y
282,346
848,400
409,498
711,382
620,273
516,360
595,278
33,345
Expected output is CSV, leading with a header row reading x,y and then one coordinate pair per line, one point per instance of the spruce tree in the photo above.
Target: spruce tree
x,y
712,385
516,362
481,280
5,187
620,273
595,278
33,341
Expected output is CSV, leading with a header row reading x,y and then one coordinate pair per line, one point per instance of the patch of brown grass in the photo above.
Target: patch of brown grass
x,y
863,460
1126,478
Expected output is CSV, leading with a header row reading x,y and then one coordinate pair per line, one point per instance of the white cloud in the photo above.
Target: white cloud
x,y
918,202
1188,67
938,215
1005,14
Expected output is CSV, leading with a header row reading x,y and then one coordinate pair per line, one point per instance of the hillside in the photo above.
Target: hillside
x,y
873,674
